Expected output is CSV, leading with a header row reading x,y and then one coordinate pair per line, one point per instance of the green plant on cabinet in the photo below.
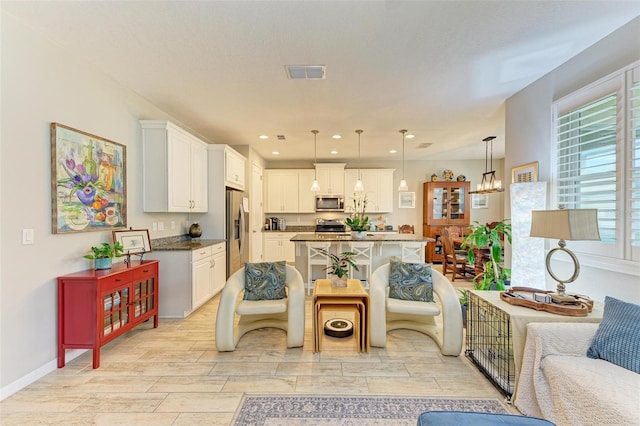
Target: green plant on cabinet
x,y
489,236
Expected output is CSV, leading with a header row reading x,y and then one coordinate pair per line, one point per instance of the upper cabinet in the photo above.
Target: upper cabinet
x,y
234,169
174,169
378,188
331,178
289,191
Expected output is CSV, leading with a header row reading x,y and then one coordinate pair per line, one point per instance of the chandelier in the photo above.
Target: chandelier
x,y
489,183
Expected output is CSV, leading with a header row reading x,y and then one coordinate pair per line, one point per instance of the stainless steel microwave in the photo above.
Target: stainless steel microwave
x,y
329,203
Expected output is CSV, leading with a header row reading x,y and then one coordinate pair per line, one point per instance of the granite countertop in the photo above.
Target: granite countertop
x,y
337,236
181,242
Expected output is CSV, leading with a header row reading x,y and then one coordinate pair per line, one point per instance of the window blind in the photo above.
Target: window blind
x,y
634,174
586,161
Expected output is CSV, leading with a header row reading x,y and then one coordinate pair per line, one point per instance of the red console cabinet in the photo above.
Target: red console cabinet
x,y
97,305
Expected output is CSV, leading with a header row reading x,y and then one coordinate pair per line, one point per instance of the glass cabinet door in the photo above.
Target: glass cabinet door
x,y
457,203
115,313
144,300
439,209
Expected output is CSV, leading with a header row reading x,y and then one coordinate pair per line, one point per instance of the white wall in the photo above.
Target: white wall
x,y
42,84
528,137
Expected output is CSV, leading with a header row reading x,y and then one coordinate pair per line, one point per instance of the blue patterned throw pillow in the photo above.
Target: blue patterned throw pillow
x,y
410,281
264,281
617,339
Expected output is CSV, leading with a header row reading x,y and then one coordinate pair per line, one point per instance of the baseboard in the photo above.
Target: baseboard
x,y
37,374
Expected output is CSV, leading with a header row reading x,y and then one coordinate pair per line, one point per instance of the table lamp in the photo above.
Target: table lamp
x,y
564,224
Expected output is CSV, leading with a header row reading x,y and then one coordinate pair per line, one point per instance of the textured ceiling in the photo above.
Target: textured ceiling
x,y
442,69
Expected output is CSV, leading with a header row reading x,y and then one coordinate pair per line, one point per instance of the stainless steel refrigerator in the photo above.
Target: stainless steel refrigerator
x,y
237,230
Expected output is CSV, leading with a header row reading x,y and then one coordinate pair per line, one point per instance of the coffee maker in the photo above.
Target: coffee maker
x,y
273,221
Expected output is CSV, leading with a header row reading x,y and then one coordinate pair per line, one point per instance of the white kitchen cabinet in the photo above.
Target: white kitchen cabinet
x,y
331,178
277,246
378,187
234,169
306,198
174,169
189,278
281,191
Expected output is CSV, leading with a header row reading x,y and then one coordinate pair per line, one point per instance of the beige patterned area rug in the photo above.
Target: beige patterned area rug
x,y
315,410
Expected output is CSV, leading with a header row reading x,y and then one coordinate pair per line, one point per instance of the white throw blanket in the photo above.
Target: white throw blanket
x,y
559,383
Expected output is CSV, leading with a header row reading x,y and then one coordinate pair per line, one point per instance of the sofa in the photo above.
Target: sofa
x,y
560,383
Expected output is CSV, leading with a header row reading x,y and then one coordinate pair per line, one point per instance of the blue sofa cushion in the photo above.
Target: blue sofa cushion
x,y
456,418
617,339
410,281
264,281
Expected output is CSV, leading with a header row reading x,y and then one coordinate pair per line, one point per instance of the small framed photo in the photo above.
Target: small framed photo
x,y
479,201
407,200
134,241
525,173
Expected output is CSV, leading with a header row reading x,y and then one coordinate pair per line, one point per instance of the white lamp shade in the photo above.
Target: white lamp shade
x,y
315,186
403,186
358,186
565,224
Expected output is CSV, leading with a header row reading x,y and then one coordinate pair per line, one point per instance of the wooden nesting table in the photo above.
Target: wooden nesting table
x,y
353,298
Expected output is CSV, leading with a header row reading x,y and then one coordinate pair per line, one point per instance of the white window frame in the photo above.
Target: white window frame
x,y
620,256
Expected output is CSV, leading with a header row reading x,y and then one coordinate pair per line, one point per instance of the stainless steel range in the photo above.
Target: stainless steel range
x,y
330,225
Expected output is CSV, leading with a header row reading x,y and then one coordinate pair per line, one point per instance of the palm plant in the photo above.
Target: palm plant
x,y
340,263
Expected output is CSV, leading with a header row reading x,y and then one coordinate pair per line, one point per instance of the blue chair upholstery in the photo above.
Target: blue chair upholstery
x,y
457,418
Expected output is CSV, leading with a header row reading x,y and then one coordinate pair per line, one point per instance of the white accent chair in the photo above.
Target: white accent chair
x,y
286,314
363,257
443,325
315,257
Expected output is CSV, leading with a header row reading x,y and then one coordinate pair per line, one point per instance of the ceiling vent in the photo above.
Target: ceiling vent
x,y
281,137
306,72
423,145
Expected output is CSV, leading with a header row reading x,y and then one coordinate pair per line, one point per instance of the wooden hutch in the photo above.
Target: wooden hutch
x,y
445,204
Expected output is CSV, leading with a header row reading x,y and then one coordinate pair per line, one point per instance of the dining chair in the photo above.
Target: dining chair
x,y
406,229
457,260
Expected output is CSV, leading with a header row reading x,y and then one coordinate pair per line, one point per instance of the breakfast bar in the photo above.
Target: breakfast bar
x,y
407,247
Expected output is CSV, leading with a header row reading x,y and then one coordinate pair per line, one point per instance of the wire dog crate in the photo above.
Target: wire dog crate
x,y
490,343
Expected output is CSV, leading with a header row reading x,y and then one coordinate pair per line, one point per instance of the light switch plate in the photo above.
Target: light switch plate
x,y
27,236
160,226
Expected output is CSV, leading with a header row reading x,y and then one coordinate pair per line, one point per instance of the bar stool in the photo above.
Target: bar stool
x,y
363,257
412,252
315,257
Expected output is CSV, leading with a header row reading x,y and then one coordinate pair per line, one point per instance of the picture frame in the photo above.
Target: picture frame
x,y
406,200
479,201
134,241
525,173
88,182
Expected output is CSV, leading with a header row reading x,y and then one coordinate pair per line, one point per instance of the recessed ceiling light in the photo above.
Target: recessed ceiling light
x,y
392,151
334,152
263,137
410,136
336,137
275,153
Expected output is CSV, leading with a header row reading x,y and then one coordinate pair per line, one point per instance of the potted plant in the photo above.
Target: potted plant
x,y
339,266
463,297
104,254
358,221
489,236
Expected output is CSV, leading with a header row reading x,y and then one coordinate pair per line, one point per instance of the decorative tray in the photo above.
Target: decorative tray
x,y
541,300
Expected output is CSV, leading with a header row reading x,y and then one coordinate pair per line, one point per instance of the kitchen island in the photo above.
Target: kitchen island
x,y
385,246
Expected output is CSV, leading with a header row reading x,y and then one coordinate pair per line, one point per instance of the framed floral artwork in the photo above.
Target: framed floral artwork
x,y
88,182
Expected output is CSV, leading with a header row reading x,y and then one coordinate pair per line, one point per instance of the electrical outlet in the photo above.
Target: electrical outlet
x,y
173,225
160,226
154,226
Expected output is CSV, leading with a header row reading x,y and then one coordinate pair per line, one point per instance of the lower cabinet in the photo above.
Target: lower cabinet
x,y
190,278
96,306
277,246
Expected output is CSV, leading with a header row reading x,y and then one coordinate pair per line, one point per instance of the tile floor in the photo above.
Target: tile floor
x,y
173,375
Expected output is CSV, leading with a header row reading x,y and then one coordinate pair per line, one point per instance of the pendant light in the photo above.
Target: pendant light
x,y
358,186
315,187
489,183
403,183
